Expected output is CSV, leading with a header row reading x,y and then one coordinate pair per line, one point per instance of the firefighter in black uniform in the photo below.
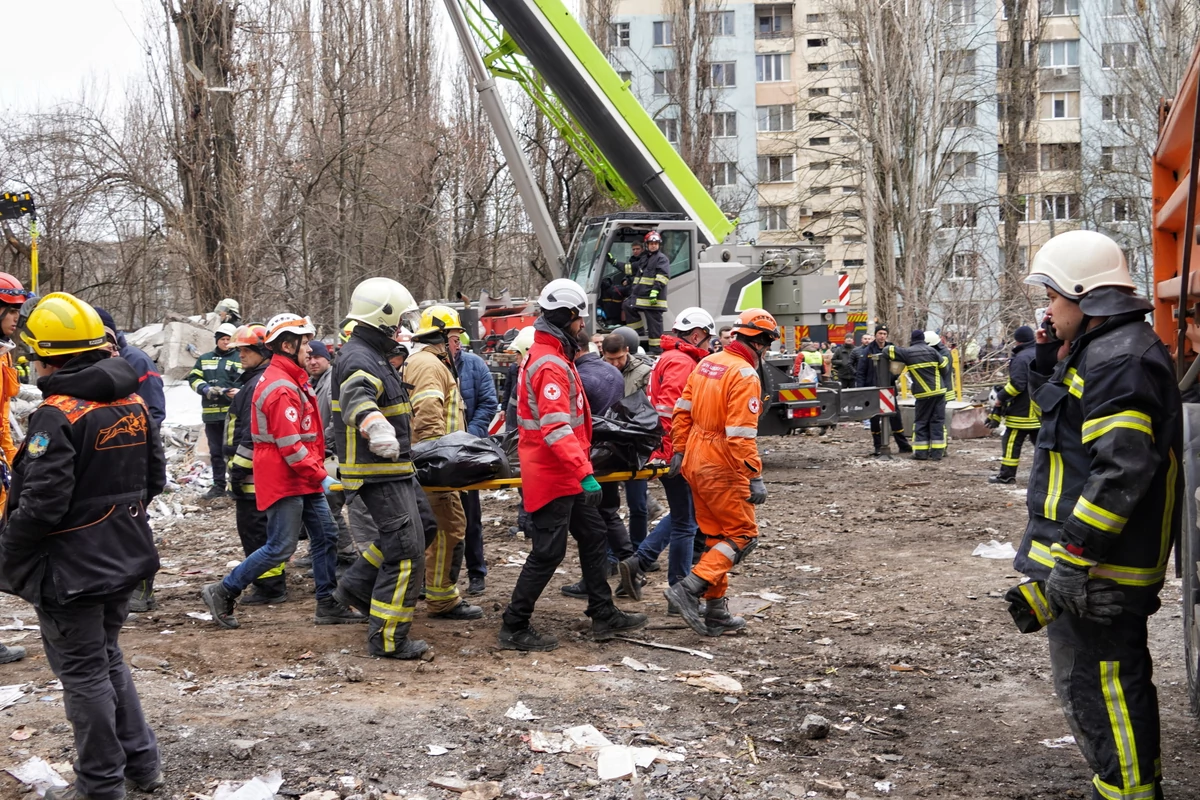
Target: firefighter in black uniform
x,y
1102,498
1015,408
650,292
371,420
926,367
77,541
632,270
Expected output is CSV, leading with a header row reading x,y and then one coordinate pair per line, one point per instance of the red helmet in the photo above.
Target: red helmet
x,y
11,290
653,236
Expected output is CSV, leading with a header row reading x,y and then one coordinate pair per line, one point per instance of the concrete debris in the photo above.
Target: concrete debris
x,y
814,726
260,787
37,773
521,712
174,346
710,681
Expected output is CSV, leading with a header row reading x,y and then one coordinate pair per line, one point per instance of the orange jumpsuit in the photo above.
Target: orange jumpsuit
x,y
10,382
715,426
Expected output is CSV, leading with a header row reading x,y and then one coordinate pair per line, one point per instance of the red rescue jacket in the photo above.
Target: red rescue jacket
x,y
289,445
554,423
670,375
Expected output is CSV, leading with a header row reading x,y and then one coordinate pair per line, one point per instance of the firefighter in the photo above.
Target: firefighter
x,y
372,418
77,541
925,367
935,341
12,297
650,292
867,377
1102,497
289,478
437,409
630,315
1015,407
229,310
560,492
714,433
250,340
214,378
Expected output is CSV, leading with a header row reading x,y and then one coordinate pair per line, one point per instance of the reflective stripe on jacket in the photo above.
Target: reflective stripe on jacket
x,y
437,406
214,369
289,445
1019,409
925,366
653,275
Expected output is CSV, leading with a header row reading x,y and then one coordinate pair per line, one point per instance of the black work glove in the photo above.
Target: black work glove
x,y
676,465
1071,589
758,492
1104,601
993,419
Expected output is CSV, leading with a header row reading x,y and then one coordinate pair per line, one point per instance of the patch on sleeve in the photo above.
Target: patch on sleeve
x,y
755,405
38,442
552,391
292,414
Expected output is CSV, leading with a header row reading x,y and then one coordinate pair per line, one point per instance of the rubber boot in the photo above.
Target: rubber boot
x,y
686,597
718,619
220,604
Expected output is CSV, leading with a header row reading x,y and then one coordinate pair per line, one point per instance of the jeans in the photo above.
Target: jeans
x,y
678,529
252,530
112,739
285,518
635,499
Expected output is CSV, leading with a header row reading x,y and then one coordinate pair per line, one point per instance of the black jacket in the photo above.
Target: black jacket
x,y
866,368
653,274
845,364
925,365
1017,405
239,445
1106,478
77,510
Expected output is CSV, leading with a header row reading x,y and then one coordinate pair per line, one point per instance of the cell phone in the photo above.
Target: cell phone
x,y
1048,327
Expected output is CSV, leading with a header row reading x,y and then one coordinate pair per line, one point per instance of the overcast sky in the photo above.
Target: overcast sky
x,y
61,45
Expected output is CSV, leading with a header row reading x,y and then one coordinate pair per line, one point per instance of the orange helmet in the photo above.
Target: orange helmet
x,y
756,321
11,291
252,335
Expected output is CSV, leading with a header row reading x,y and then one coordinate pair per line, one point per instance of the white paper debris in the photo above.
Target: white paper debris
x,y
17,625
1059,743
520,712
615,762
586,737
883,786
712,681
770,597
634,664
437,750
260,787
38,773
594,668
994,549
203,616
10,694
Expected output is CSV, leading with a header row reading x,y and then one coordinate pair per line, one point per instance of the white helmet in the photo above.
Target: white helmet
x,y
1076,262
228,304
932,339
226,329
564,293
288,323
695,317
380,303
523,341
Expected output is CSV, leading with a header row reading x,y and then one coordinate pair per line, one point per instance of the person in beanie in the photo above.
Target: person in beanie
x,y
214,378
926,368
1015,407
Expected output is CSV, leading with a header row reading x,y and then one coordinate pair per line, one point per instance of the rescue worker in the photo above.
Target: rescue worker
x,y
1015,407
650,292
935,341
520,345
688,344
214,378
867,377
229,310
561,493
714,432
77,540
289,478
150,389
12,297
23,371
437,409
320,362
810,354
478,390
250,340
630,315
925,367
619,348
372,418
845,364
1102,500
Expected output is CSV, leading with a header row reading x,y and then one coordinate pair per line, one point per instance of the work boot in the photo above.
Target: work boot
x,y
686,595
905,448
576,590
937,455
11,654
476,586
1007,475
617,622
261,598
215,492
68,793
718,619
344,598
921,455
220,604
673,610
631,576
331,612
462,611
654,567
526,639
143,598
405,651
149,784
654,509
301,562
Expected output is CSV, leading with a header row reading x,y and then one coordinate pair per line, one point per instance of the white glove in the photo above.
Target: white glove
x,y
381,437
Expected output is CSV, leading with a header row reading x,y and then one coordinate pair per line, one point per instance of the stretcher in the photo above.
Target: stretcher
x,y
649,473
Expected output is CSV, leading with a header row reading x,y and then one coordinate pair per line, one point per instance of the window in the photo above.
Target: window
x,y
852,213
962,266
819,91
773,218
818,165
854,263
625,76
818,141
1061,53
724,173
819,66
814,19
818,240
819,190
849,163
963,165
722,73
669,128
1060,206
1118,56
773,21
1060,8
960,12
1118,209
776,169
1015,207
774,67
849,115
851,90
720,23
1116,106
959,215
1022,159
1116,157
849,190
664,81
618,34
1060,156
818,42
819,215
853,238
1060,105
1116,8
817,116
962,114
778,118
959,62
724,123
663,34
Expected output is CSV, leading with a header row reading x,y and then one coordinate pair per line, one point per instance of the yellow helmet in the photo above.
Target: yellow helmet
x,y
62,324
437,319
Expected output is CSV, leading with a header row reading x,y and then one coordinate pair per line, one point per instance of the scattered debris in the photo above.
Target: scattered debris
x,y
814,726
521,712
883,787
594,668
38,773
994,549
11,694
260,787
437,750
712,681
688,650
1059,743
17,625
22,733
638,666
470,790
770,597
203,616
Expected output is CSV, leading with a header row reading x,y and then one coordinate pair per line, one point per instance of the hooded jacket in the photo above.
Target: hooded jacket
x,y
289,443
76,515
636,373
150,382
1019,409
478,390
667,381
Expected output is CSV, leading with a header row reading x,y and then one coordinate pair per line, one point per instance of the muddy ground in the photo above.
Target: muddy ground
x,y
888,627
